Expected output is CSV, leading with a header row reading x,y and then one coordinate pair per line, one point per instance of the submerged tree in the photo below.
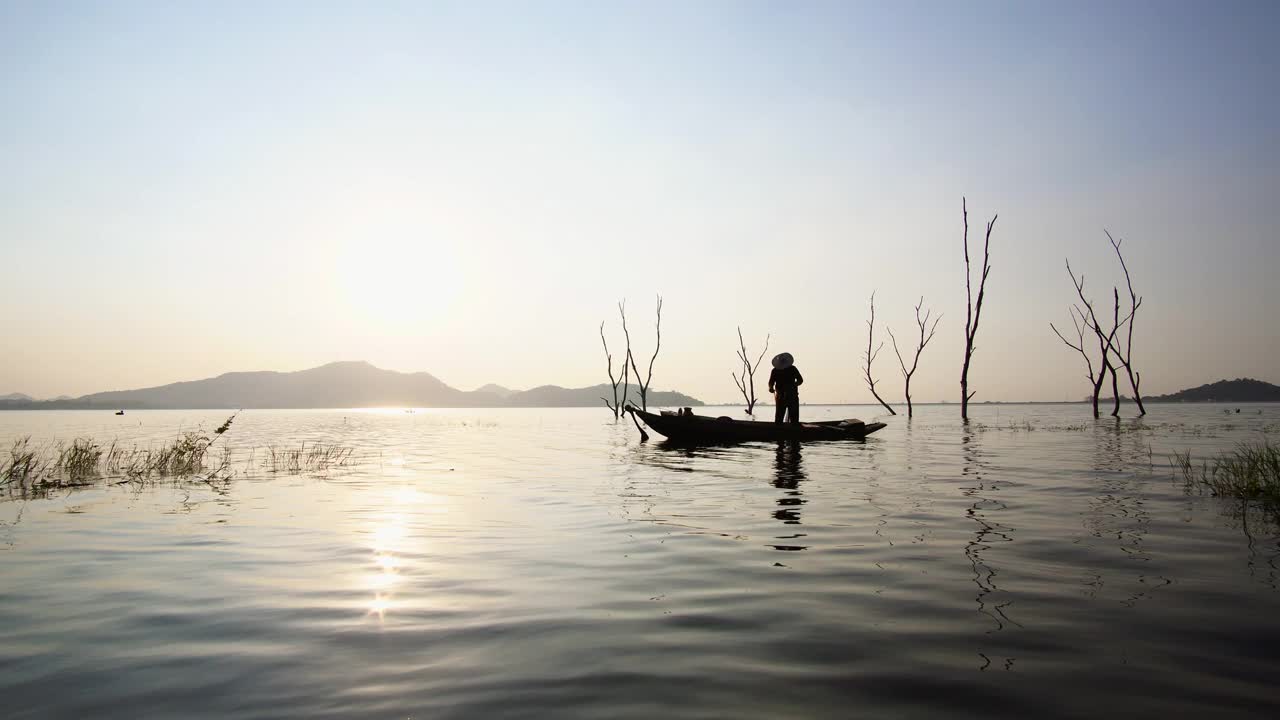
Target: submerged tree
x,y
926,334
657,345
1125,354
973,311
619,400
1080,322
626,371
870,356
612,405
1086,319
747,381
615,406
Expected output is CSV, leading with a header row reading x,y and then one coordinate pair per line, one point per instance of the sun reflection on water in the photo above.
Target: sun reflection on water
x,y
390,540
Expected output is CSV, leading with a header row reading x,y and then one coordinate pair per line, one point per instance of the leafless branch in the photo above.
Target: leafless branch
x,y
926,334
644,386
615,407
1077,319
870,357
747,381
626,334
1106,338
973,312
1125,355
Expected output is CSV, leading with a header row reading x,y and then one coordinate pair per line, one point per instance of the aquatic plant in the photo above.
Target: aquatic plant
x,y
1250,472
79,459
314,458
62,464
24,461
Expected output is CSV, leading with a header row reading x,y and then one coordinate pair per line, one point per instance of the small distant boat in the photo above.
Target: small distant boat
x,y
705,430
119,412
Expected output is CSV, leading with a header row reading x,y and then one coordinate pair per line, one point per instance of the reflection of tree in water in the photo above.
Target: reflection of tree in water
x,y
1118,511
787,476
988,532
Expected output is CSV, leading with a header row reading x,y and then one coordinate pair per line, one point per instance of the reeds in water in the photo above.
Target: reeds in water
x,y
24,462
57,465
80,459
1250,472
77,463
317,457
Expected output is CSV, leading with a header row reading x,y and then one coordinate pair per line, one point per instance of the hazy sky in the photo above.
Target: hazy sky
x,y
468,188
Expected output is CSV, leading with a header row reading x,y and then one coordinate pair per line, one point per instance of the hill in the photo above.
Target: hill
x,y
336,385
496,389
1240,390
18,397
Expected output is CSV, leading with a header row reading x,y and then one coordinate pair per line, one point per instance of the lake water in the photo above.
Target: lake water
x,y
544,563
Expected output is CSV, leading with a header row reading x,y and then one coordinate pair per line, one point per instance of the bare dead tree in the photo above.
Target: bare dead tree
x,y
1106,340
747,382
1125,354
626,370
973,312
926,334
657,345
608,358
1080,323
1115,328
628,359
870,357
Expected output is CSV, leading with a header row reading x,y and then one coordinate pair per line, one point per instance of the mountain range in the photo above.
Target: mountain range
x,y
337,385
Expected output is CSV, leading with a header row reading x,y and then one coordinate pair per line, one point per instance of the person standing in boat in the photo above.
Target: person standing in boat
x,y
784,383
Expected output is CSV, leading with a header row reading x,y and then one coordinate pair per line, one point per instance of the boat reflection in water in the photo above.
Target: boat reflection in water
x,y
788,473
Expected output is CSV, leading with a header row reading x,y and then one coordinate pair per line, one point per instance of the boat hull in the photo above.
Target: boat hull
x,y
704,430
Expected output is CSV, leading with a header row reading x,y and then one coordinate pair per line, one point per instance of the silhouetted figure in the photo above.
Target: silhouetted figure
x,y
784,382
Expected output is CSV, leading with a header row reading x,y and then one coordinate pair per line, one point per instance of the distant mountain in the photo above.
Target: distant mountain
x,y
21,397
498,390
1241,390
336,385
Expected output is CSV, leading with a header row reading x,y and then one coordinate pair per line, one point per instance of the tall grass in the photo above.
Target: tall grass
x,y
24,462
1251,471
185,455
82,461
315,458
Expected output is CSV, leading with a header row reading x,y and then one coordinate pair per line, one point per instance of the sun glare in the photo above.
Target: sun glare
x,y
393,545
391,286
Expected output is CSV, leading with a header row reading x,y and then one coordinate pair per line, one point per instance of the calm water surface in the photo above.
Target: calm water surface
x,y
486,563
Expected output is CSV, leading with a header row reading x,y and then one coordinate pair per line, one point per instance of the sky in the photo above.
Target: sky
x,y
469,188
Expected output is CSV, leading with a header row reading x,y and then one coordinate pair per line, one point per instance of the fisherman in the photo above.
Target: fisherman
x,y
784,382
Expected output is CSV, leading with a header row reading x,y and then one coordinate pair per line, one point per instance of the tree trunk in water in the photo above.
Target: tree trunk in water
x,y
1097,390
1115,392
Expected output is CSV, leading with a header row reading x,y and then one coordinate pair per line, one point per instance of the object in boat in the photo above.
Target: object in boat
x,y
685,427
119,412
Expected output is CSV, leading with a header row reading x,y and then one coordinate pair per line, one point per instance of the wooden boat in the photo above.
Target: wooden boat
x,y
706,430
